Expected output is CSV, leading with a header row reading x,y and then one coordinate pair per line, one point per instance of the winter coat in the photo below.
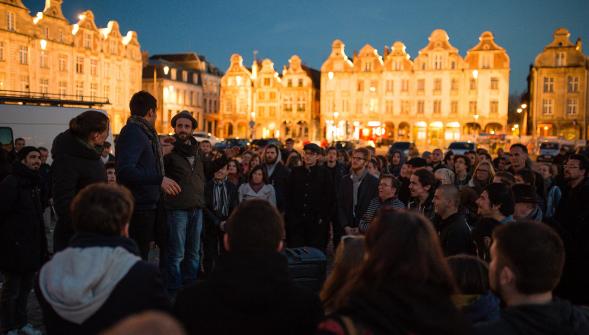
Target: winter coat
x,y
345,199
248,293
190,178
210,214
137,166
97,300
310,194
279,180
23,243
427,208
267,193
556,317
455,235
75,166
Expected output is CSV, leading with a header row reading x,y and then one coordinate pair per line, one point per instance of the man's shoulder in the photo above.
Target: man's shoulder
x,y
498,326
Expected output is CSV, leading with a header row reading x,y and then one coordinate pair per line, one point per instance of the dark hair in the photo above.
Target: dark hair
x,y
466,160
583,162
255,225
237,164
272,146
402,252
394,181
332,148
451,193
19,139
289,140
537,266
506,178
42,149
204,141
426,178
486,154
256,168
109,165
500,194
141,102
91,121
102,209
365,152
519,145
527,175
106,144
470,273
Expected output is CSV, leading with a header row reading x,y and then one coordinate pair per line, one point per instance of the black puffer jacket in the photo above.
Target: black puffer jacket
x,y
23,245
75,166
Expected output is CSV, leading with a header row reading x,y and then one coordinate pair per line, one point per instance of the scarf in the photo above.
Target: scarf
x,y
220,202
256,187
153,138
186,149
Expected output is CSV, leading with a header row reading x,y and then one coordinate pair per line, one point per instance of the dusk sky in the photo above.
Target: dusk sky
x,y
279,29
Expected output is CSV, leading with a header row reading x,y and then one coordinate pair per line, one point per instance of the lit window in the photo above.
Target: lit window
x,y
62,63
10,21
80,90
573,84
79,64
473,84
88,40
1,51
454,84
560,59
437,107
494,107
454,108
23,55
389,86
420,107
472,107
437,85
44,86
420,85
571,107
548,85
94,67
547,107
62,89
43,62
494,83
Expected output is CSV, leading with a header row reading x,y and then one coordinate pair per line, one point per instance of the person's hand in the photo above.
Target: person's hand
x,y
167,144
170,187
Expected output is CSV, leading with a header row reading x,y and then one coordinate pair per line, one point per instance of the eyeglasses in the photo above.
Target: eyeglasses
x,y
358,159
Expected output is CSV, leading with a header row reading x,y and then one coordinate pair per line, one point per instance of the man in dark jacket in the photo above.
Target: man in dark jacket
x,y
526,264
140,167
184,210
309,198
572,215
277,174
520,160
99,279
249,291
23,246
76,164
337,171
221,199
452,228
356,191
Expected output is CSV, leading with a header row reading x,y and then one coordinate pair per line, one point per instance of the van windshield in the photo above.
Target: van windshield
x,y
549,146
461,146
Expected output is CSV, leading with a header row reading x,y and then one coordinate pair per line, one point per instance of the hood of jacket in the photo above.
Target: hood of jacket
x,y
78,280
68,144
556,317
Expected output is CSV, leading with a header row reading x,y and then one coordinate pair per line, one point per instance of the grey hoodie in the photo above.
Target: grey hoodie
x,y
78,281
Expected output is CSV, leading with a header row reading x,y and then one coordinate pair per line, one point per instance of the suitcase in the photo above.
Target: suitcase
x,y
307,267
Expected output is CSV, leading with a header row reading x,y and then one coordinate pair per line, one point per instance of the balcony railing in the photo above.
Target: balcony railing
x,y
51,98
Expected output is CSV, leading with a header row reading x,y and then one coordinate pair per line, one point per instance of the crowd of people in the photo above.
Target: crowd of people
x,y
433,244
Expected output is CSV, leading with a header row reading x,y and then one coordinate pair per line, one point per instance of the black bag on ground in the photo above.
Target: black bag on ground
x,y
307,267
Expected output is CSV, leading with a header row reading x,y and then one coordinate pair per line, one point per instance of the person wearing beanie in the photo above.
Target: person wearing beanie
x,y
221,199
526,201
184,210
23,245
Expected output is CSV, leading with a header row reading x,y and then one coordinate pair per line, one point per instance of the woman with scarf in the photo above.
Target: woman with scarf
x,y
257,187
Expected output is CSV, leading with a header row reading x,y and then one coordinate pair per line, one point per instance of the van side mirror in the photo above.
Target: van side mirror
x,y
6,138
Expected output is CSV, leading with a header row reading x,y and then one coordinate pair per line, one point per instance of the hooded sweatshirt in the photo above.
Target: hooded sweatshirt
x,y
556,317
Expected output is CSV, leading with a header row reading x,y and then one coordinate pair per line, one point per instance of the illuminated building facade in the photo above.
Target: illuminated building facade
x,y
260,102
184,81
433,99
558,89
46,54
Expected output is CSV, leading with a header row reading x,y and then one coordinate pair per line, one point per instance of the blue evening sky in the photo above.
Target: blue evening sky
x,y
279,28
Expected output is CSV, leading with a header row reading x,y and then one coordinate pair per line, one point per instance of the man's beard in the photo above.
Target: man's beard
x,y
183,136
270,162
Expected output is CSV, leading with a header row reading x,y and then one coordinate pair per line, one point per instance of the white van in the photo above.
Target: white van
x,y
39,125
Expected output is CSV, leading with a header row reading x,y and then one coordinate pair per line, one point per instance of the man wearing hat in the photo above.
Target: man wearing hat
x,y
184,210
526,203
221,199
23,245
310,199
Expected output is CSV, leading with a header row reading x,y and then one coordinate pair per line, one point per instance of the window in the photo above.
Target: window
x,y
397,65
62,63
473,84
472,107
238,81
389,86
289,83
79,64
93,90
573,84
405,85
195,78
272,111
373,105
46,32
571,107
24,83
44,86
80,90
547,107
184,76
229,106
173,74
486,61
360,86
106,93
43,62
261,96
94,67
367,66
560,59
272,96
420,107
494,107
437,62
388,105
437,85
266,82
405,107
548,85
454,84
301,104
420,85
23,55
1,51
373,86
62,89
300,82
287,104
494,83
437,107
206,105
88,40
454,108
359,106
61,36
191,94
453,65
10,21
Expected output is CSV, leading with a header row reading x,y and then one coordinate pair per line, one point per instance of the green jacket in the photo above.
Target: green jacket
x,y
190,178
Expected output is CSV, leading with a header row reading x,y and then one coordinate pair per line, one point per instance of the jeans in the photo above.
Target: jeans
x,y
13,301
184,231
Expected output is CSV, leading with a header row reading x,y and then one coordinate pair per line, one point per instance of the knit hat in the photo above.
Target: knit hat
x,y
22,154
314,148
184,115
219,163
